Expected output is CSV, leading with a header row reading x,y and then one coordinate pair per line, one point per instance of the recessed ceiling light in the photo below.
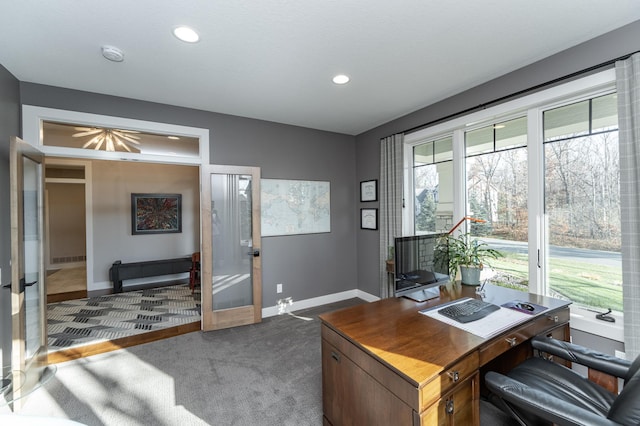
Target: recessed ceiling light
x,y
341,79
186,34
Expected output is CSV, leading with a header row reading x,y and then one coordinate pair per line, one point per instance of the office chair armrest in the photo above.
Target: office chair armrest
x,y
541,404
609,364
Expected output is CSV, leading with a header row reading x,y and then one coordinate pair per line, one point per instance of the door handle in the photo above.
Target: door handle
x,y
254,253
24,284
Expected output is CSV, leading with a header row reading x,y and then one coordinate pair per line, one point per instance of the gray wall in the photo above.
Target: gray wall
x,y
9,126
112,186
584,56
66,220
307,265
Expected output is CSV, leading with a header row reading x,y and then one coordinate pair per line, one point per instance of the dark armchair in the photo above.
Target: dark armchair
x,y
541,392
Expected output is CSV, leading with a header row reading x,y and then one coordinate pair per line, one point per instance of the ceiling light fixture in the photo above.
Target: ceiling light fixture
x,y
341,79
175,138
112,139
112,53
186,34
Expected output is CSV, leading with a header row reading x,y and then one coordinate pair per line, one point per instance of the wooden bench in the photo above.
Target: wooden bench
x,y
126,271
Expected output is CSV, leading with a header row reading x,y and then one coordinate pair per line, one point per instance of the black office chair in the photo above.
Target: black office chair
x,y
541,392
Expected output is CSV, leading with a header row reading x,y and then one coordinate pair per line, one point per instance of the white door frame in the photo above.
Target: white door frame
x,y
33,118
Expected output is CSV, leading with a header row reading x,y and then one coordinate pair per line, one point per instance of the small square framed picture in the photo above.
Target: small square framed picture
x,y
369,190
369,219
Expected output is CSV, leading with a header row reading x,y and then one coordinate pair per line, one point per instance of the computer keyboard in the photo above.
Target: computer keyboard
x,y
470,310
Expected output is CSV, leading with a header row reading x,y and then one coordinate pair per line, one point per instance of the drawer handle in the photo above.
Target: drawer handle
x,y
512,341
335,356
454,375
553,318
449,406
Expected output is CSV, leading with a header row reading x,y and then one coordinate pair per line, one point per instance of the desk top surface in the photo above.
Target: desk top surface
x,y
416,345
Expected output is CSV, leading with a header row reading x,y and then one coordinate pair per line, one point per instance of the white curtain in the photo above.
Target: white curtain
x,y
628,88
390,217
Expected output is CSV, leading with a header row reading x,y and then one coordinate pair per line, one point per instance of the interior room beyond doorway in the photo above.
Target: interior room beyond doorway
x,y
66,229
109,213
168,161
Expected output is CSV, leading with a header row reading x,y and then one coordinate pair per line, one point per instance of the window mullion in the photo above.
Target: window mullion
x,y
408,209
459,176
536,231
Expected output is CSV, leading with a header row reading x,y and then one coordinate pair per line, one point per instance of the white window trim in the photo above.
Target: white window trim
x,y
409,205
533,106
550,98
34,116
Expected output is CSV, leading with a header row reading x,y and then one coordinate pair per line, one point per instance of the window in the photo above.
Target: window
x,y
543,173
134,142
51,132
433,186
582,203
497,188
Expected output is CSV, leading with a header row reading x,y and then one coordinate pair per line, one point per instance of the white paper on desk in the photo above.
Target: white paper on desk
x,y
494,323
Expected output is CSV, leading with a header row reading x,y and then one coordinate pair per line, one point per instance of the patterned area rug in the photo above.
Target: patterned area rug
x,y
99,319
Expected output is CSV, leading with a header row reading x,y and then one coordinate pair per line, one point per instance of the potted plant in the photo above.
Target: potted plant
x,y
470,255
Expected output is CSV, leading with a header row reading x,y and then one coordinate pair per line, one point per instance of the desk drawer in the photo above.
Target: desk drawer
x,y
458,407
503,343
548,322
540,325
449,378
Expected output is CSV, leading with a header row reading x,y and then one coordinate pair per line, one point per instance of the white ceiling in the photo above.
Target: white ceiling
x,y
274,59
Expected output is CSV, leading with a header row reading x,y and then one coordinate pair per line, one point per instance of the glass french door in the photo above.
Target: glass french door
x,y
230,261
28,308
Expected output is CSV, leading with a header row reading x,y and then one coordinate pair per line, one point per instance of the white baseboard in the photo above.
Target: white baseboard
x,y
55,266
101,285
321,300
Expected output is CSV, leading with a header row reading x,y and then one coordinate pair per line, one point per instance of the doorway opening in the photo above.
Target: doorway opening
x,y
107,203
66,207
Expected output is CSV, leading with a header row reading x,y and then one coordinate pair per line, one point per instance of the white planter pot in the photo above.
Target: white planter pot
x,y
470,275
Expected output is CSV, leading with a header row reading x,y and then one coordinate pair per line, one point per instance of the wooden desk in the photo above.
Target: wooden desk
x,y
385,363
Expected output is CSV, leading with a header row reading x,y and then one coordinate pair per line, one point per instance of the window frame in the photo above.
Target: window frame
x,y
532,106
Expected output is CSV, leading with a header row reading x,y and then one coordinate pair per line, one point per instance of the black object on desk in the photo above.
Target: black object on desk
x,y
469,310
525,307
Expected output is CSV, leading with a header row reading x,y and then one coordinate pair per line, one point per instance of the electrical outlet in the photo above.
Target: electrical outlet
x,y
278,288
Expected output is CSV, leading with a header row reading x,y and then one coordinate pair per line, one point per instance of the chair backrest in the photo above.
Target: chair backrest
x,y
633,369
626,407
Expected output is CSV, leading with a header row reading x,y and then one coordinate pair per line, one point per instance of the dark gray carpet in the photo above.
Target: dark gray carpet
x,y
266,374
